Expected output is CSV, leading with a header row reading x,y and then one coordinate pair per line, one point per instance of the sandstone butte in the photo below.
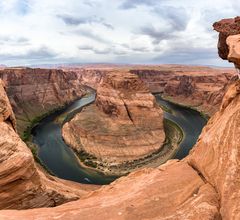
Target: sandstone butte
x,y
205,185
124,124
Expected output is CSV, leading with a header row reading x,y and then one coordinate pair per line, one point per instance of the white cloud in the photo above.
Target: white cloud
x,y
134,31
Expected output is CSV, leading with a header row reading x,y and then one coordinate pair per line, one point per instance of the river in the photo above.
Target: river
x,y
61,161
190,121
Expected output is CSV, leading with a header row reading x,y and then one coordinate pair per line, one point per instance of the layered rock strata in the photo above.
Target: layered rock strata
x,y
123,125
205,185
91,77
35,92
22,183
208,84
199,87
217,154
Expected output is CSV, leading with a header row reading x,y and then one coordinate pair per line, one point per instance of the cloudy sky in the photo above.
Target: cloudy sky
x,y
111,31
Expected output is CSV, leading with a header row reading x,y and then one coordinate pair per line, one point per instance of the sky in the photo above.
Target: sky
x,y
112,31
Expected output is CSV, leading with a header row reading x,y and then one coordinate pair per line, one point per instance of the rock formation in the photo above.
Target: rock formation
x,y
90,77
234,51
35,92
123,125
208,85
216,155
226,28
22,183
205,185
198,87
229,37
172,191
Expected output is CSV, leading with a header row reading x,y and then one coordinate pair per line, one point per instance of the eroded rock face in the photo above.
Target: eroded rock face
x,y
22,183
89,77
34,92
6,113
125,97
216,155
226,28
200,87
124,124
233,43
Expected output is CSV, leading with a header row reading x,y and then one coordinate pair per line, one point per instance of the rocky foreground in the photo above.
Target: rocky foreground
x,y
124,124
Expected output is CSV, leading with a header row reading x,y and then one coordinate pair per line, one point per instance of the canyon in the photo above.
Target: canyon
x,y
195,86
35,92
24,184
204,185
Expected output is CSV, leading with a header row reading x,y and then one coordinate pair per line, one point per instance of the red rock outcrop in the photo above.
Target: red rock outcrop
x,y
34,92
233,43
89,77
123,125
226,28
22,183
217,154
6,113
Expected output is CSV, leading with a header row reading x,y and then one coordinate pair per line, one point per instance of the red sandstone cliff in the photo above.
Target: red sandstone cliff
x,y
22,183
199,87
34,92
206,85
